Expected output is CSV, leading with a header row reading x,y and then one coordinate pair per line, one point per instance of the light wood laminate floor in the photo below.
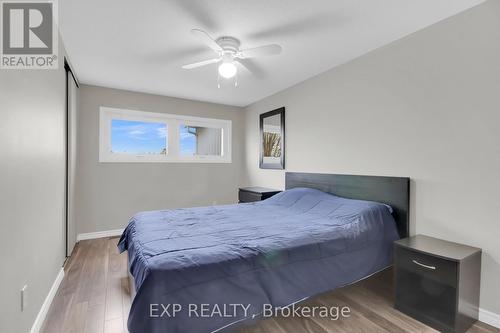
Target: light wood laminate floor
x,y
95,297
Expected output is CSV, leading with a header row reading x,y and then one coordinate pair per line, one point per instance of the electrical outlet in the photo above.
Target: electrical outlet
x,y
214,203
24,297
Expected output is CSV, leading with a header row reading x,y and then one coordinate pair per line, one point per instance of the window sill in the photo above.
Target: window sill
x,y
147,159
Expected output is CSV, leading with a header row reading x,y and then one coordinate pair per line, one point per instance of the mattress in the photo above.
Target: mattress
x,y
297,244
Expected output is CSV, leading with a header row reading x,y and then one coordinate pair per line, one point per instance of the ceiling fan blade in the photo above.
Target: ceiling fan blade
x,y
205,38
265,50
251,67
243,65
201,63
197,11
304,26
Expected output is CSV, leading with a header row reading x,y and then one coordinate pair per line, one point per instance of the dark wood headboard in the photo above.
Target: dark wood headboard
x,y
393,191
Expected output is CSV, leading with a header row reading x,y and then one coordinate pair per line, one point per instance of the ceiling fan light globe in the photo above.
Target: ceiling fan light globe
x,y
227,70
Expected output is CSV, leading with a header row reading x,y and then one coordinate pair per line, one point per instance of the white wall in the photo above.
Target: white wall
x,y
427,107
108,194
32,172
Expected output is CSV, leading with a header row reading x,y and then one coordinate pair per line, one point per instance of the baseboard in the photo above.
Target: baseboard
x,y
489,318
37,325
99,234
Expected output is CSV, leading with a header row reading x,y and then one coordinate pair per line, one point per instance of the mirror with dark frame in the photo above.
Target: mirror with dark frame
x,y
272,139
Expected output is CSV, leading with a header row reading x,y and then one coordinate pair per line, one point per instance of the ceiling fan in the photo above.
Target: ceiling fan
x,y
229,53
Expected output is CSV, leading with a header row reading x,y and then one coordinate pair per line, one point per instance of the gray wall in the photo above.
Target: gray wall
x,y
32,169
108,194
427,107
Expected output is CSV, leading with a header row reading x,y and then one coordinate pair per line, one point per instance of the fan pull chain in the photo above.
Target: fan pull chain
x,y
218,80
236,80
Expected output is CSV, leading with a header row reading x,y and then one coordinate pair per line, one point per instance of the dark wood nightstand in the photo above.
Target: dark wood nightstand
x,y
437,282
255,193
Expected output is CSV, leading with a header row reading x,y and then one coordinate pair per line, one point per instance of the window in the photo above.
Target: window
x,y
198,140
136,136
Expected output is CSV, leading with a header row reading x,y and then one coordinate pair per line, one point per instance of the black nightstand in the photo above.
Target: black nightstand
x,y
437,282
255,193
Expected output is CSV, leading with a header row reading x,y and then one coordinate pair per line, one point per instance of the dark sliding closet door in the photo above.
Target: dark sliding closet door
x,y
71,115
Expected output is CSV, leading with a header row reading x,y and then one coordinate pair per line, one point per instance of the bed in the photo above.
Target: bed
x,y
325,231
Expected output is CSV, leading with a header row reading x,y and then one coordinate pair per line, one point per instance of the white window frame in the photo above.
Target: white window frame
x,y
173,121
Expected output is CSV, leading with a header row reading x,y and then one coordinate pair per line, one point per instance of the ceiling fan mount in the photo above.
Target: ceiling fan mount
x,y
229,44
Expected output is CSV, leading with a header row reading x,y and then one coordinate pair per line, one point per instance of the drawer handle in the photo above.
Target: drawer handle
x,y
423,265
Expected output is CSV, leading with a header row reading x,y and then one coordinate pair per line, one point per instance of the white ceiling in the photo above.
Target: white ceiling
x,y
141,45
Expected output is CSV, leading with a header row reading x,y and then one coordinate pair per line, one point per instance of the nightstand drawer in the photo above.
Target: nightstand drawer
x,y
437,282
244,196
426,288
430,267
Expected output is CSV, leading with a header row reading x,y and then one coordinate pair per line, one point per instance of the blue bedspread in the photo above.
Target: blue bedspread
x,y
297,244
